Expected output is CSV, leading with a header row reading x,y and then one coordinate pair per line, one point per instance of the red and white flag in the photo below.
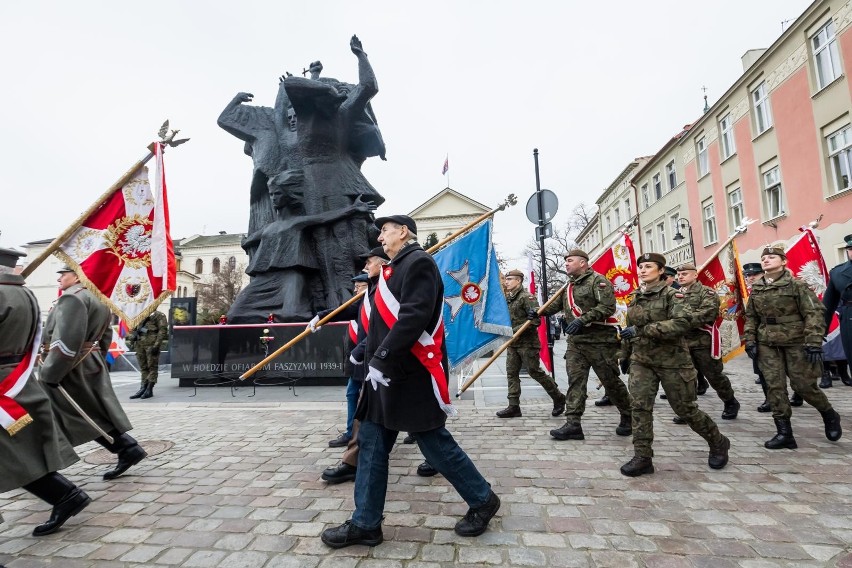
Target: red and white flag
x,y
618,265
544,352
123,252
723,273
805,261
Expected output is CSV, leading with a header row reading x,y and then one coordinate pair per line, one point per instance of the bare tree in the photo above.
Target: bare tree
x,y
431,240
218,292
580,217
554,249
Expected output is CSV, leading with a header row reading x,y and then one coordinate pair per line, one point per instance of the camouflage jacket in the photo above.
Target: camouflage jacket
x,y
520,302
661,318
784,312
594,296
703,305
152,331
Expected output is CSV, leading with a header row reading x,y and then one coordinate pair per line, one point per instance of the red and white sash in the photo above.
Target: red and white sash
x,y
575,309
427,349
353,331
13,417
715,337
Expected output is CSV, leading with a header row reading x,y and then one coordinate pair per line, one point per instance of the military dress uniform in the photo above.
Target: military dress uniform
x,y
593,343
784,330
148,338
658,355
838,297
79,335
524,351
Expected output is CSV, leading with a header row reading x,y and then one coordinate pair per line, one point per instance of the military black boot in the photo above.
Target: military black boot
x,y
718,457
796,400
625,426
637,466
702,386
764,407
558,405
67,500
149,391
129,454
825,383
678,420
603,401
732,408
784,438
568,432
511,411
831,419
843,371
140,392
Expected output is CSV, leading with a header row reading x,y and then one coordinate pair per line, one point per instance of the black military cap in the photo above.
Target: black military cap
x,y
848,240
363,277
378,251
752,268
9,257
404,220
669,271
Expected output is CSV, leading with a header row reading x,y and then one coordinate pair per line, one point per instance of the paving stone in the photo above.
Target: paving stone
x,y
479,556
205,558
527,557
142,553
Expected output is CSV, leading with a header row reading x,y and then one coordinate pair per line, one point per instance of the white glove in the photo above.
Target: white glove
x,y
377,377
312,325
353,360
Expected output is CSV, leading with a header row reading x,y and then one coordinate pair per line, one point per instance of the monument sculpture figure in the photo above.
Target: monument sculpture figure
x,y
309,203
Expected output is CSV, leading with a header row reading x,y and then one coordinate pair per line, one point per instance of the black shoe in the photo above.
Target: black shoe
x,y
825,383
637,466
663,396
426,470
140,392
511,411
409,439
476,520
718,457
732,408
127,458
678,420
558,405
757,381
339,473
340,442
348,534
846,380
73,503
603,401
831,419
625,426
702,387
796,400
764,407
149,391
784,438
568,432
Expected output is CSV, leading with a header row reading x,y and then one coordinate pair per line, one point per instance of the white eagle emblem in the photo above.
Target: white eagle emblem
x,y
810,274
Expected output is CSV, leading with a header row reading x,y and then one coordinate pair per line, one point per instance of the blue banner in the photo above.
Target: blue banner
x,y
476,317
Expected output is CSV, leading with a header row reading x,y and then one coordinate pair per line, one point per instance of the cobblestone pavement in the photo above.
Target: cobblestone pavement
x,y
241,489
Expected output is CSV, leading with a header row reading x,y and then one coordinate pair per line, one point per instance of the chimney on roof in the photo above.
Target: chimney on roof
x,y
750,57
223,232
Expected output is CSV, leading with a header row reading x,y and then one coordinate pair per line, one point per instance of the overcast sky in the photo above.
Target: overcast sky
x,y
592,85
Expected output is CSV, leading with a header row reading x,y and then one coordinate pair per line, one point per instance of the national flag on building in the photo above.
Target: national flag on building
x,y
446,167
122,251
618,265
723,273
476,316
544,352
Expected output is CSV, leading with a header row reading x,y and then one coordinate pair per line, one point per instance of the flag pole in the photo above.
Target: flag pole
x,y
57,242
510,200
506,345
737,232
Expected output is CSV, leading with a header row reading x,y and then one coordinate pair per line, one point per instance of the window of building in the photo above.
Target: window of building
x,y
627,208
649,240
710,235
703,161
199,266
671,175
661,236
840,156
215,266
608,225
727,127
773,192
658,186
735,206
826,57
617,212
646,200
232,263
762,109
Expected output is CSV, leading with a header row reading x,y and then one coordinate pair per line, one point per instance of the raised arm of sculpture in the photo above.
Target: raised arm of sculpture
x,y
243,121
367,86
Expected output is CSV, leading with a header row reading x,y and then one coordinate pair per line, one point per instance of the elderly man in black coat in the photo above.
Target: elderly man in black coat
x,y
838,297
406,389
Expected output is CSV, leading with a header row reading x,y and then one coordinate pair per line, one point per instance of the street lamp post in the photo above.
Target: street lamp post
x,y
678,238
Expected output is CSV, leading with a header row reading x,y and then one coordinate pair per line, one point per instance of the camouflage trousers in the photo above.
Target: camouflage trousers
x,y
148,357
778,363
528,357
713,371
579,358
679,386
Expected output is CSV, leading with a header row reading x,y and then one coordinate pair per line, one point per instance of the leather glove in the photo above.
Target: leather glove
x,y
628,332
813,354
532,315
624,366
377,378
574,327
312,325
751,349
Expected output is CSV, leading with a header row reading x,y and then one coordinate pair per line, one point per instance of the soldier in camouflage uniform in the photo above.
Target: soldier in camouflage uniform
x,y
783,331
703,304
751,274
525,349
656,353
588,302
147,339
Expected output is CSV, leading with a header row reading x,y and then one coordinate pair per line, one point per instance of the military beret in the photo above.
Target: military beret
x,y
65,268
752,268
774,249
378,251
403,220
652,257
686,267
9,257
848,240
363,277
515,272
576,252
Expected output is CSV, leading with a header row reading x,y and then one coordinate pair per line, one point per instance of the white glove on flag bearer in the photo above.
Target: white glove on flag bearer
x,y
377,377
312,325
